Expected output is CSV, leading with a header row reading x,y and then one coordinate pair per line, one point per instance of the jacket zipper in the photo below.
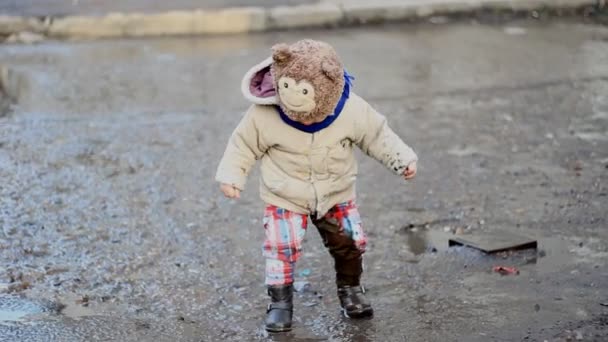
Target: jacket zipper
x,y
312,175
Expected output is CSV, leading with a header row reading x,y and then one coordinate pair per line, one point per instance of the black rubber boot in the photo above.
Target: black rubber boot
x,y
353,302
350,292
280,310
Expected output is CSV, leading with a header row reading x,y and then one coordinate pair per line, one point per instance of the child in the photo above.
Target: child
x,y
302,127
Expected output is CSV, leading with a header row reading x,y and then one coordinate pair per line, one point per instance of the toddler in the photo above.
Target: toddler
x,y
302,127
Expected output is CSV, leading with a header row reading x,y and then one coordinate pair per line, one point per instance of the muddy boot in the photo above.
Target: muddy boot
x,y
280,310
353,302
350,292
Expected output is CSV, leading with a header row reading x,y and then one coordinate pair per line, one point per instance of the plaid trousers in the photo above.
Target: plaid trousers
x,y
285,231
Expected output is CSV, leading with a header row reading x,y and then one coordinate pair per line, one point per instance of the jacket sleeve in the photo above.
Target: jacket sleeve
x,y
244,148
377,140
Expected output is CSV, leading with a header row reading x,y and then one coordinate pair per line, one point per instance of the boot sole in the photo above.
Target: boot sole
x,y
358,314
278,330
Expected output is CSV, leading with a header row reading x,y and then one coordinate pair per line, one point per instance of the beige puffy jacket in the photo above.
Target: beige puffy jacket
x,y
308,172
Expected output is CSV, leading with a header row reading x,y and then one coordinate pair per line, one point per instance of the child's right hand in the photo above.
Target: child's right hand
x,y
230,191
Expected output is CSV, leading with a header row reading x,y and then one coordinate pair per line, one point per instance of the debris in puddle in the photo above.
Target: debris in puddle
x,y
505,270
305,272
302,286
494,242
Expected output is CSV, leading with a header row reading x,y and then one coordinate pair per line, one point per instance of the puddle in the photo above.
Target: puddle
x,y
420,241
18,309
556,252
14,309
552,254
13,315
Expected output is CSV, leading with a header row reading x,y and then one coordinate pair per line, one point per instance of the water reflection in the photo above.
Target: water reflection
x,y
420,240
359,331
13,309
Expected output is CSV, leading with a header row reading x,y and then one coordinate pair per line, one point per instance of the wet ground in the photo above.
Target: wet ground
x,y
113,229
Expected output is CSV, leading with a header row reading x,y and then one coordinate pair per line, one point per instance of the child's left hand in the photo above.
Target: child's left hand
x,y
410,171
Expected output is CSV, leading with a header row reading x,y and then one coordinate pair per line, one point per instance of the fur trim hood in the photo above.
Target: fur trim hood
x,y
258,84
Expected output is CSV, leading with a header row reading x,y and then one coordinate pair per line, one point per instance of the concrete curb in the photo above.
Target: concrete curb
x,y
327,13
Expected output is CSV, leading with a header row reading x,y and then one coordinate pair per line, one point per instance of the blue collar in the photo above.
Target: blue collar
x,y
329,119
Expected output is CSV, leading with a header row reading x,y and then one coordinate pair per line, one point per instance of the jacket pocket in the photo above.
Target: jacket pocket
x,y
341,159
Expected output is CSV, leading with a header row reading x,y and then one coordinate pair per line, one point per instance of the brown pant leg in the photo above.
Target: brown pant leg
x,y
348,261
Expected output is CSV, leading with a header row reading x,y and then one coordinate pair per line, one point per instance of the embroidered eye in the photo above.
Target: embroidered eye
x,y
305,91
285,85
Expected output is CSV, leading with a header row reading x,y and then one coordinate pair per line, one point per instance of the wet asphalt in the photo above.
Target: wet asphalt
x,y
114,230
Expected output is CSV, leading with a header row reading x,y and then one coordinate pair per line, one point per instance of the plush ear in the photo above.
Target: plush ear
x,y
331,69
281,53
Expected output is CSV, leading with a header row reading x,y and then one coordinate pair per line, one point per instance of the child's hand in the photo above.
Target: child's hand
x,y
410,171
230,191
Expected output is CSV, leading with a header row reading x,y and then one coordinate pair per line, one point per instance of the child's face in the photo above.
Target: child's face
x,y
306,122
297,96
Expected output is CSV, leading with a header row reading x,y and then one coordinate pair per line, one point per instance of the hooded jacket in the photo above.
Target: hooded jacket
x,y
306,172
